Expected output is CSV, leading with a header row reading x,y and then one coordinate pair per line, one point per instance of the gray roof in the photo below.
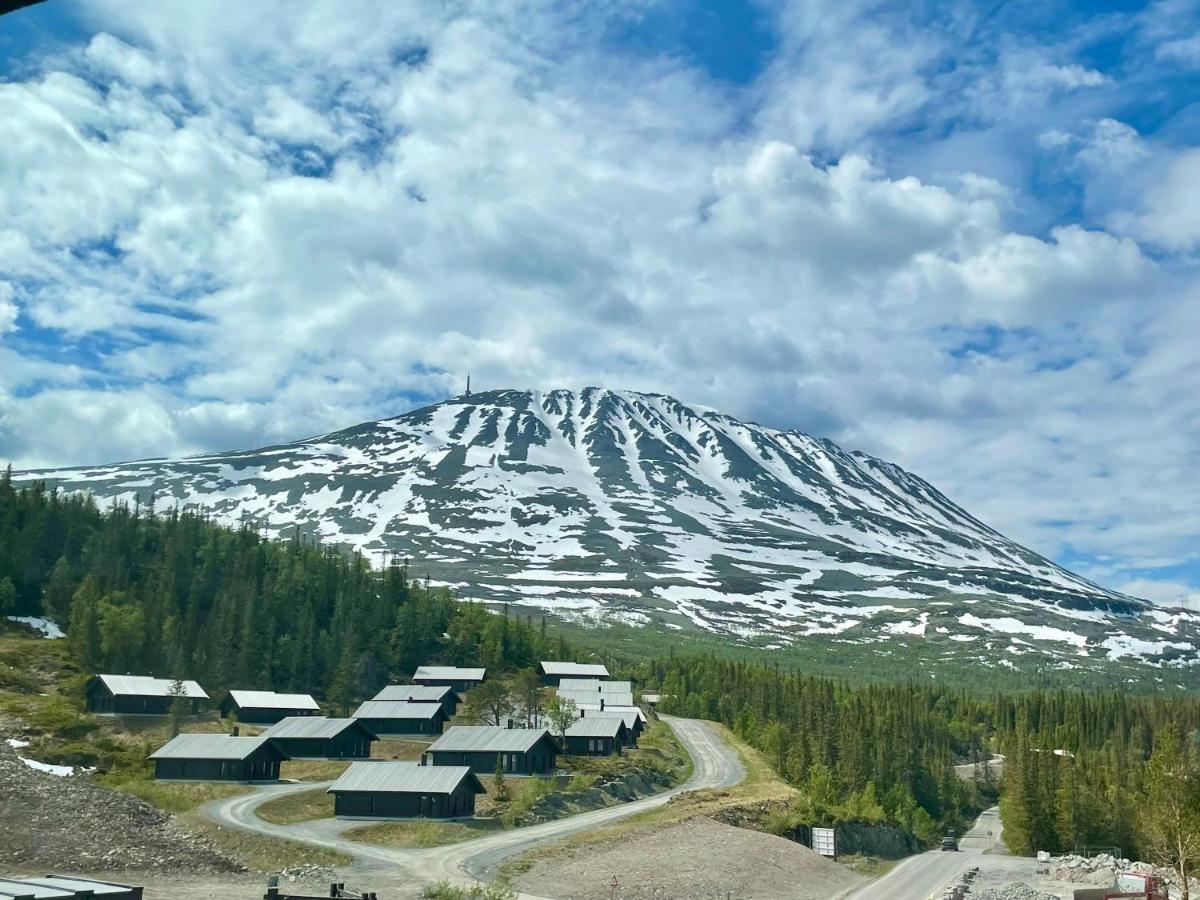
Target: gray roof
x,y
25,889
587,698
396,777
145,686
397,709
598,726
574,669
209,746
630,714
95,888
310,727
449,673
272,700
426,693
487,739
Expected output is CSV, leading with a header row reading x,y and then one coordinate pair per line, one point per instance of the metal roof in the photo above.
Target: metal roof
x,y
272,700
487,739
145,686
25,889
92,888
587,698
597,726
449,673
310,727
396,777
630,714
209,746
574,669
397,709
427,693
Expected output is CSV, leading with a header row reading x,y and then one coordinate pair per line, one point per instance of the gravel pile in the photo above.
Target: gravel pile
x,y
1011,892
700,859
51,821
1099,870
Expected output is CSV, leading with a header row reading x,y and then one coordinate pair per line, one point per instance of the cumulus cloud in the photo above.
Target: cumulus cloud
x,y
240,226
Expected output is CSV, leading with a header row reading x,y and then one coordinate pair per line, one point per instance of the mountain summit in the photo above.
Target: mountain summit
x,y
616,505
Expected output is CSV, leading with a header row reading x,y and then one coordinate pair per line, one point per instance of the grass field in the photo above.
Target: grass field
x,y
312,769
421,834
303,806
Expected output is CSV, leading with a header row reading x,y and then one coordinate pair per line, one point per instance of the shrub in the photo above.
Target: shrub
x,y
444,890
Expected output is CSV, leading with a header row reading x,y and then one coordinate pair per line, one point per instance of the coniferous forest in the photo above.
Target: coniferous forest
x,y
1080,769
172,593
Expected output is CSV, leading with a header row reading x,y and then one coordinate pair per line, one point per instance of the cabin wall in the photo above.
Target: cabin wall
x,y
537,762
406,805
261,767
400,727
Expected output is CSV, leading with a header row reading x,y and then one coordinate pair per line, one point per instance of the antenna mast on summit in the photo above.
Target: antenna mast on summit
x,y
468,394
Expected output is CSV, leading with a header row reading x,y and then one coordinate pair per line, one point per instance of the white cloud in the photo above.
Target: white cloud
x,y
1171,212
1167,593
267,225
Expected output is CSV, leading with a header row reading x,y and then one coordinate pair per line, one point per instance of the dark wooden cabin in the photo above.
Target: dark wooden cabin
x,y
318,737
405,790
141,695
399,718
461,679
267,707
217,757
521,751
553,672
596,736
634,719
423,693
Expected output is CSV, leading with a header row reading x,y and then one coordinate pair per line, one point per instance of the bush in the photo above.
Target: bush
x,y
444,890
59,717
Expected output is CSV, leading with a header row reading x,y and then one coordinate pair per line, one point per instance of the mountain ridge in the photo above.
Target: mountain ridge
x,y
612,505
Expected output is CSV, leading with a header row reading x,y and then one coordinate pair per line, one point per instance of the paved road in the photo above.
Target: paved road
x,y
919,877
715,765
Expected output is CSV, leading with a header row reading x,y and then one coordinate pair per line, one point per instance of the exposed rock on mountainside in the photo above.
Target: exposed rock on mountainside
x,y
637,507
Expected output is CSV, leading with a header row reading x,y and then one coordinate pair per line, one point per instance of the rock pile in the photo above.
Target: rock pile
x,y
47,820
1012,892
1101,869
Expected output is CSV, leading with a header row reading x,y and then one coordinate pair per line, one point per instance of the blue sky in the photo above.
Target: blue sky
x,y
961,236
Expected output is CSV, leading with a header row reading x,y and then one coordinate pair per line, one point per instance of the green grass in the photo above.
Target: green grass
x,y
303,806
259,852
444,890
177,797
312,769
421,834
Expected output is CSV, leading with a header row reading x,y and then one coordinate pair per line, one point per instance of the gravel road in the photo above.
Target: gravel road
x,y
715,765
919,877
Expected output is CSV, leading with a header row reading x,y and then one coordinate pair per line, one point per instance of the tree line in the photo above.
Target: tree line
x,y
175,594
1079,769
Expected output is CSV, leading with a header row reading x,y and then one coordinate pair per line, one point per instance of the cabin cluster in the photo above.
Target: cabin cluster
x,y
442,784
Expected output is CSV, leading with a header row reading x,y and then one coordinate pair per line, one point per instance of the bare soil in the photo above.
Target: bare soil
x,y
699,858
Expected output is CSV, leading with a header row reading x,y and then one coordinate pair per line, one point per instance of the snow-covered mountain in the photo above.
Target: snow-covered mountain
x,y
614,505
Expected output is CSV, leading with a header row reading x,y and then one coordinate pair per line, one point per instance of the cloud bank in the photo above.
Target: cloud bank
x,y
228,224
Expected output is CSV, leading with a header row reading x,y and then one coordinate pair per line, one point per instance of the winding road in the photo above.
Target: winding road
x,y
714,765
919,877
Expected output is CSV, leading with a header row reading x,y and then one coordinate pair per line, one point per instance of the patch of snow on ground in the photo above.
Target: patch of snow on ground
x,y
45,626
16,744
1122,645
60,771
909,627
1016,626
